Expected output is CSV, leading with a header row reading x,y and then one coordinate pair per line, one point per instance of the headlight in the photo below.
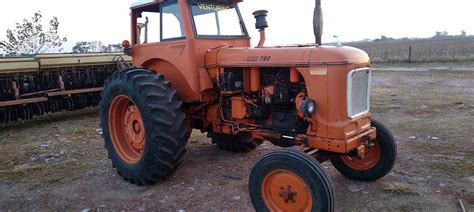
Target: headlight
x,y
308,106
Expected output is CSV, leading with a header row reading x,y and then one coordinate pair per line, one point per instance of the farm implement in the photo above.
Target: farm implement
x,y
50,83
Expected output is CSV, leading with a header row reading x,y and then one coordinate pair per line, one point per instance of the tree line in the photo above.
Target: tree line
x,y
438,35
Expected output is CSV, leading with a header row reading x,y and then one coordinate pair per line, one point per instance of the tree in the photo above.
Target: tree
x,y
442,35
384,38
81,47
29,37
114,48
88,47
95,46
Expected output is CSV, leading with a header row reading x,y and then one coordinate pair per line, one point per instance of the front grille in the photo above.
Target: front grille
x,y
358,92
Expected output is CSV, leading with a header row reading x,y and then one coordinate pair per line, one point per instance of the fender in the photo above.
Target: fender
x,y
175,76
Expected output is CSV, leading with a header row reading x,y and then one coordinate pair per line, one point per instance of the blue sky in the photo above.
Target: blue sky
x,y
290,21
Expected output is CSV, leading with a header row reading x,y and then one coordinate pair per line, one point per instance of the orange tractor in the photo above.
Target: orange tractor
x,y
194,69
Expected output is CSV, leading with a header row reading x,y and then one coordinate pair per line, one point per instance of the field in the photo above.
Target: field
x,y
58,161
423,50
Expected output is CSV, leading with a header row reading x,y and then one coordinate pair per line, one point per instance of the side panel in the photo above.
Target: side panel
x,y
70,60
339,125
316,80
45,61
327,86
260,57
15,65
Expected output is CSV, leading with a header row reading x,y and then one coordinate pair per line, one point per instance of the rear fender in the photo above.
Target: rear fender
x,y
176,77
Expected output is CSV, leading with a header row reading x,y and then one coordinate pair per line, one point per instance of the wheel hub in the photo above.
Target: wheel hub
x,y
127,130
287,194
284,190
371,158
134,129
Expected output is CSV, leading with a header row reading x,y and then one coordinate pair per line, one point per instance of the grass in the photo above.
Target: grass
x,y
455,169
430,104
36,158
399,188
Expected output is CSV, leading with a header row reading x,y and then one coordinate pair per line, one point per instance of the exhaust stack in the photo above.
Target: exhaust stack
x,y
261,24
318,22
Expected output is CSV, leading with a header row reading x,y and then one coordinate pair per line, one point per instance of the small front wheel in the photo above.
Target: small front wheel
x,y
289,180
378,161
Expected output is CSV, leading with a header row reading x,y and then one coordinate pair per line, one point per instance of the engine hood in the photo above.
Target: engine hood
x,y
284,56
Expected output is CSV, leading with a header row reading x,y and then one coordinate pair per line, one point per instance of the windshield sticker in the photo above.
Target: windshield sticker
x,y
212,7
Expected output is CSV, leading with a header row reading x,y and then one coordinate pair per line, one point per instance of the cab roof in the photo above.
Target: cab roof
x,y
148,3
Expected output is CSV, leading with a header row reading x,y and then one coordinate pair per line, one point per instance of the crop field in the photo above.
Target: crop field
x,y
57,162
423,50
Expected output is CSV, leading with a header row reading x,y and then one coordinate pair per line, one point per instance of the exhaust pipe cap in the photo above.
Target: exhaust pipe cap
x,y
261,18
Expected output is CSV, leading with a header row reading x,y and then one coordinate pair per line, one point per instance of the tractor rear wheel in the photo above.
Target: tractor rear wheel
x,y
143,126
378,161
290,180
242,142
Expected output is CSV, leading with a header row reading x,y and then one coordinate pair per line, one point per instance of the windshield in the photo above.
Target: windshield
x,y
217,20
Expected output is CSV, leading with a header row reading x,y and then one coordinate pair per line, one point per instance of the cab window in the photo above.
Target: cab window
x,y
216,20
148,27
156,23
172,22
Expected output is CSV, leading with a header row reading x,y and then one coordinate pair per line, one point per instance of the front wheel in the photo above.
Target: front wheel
x,y
378,161
290,180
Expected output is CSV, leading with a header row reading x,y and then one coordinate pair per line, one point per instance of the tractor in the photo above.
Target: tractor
x,y
194,68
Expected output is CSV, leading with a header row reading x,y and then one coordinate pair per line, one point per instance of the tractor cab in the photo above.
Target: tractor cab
x,y
173,37
171,20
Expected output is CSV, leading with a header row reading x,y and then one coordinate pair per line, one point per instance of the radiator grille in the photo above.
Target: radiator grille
x,y
358,92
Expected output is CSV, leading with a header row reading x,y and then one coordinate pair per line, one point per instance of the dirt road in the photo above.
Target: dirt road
x,y
58,162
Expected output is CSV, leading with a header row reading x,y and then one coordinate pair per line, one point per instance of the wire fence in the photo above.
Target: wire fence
x,y
422,50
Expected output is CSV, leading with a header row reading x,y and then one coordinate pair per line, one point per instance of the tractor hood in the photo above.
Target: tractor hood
x,y
284,56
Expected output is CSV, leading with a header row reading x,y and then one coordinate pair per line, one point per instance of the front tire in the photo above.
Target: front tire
x,y
143,127
289,180
378,161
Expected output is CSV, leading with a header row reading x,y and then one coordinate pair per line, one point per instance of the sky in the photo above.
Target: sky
x,y
290,22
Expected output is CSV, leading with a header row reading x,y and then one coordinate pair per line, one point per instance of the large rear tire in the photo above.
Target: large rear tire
x,y
143,126
242,142
289,180
378,161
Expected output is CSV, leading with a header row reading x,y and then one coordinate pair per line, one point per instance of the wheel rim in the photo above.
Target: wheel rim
x,y
371,158
127,130
283,190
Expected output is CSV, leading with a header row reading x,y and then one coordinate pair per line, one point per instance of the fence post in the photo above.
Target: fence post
x,y
409,54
